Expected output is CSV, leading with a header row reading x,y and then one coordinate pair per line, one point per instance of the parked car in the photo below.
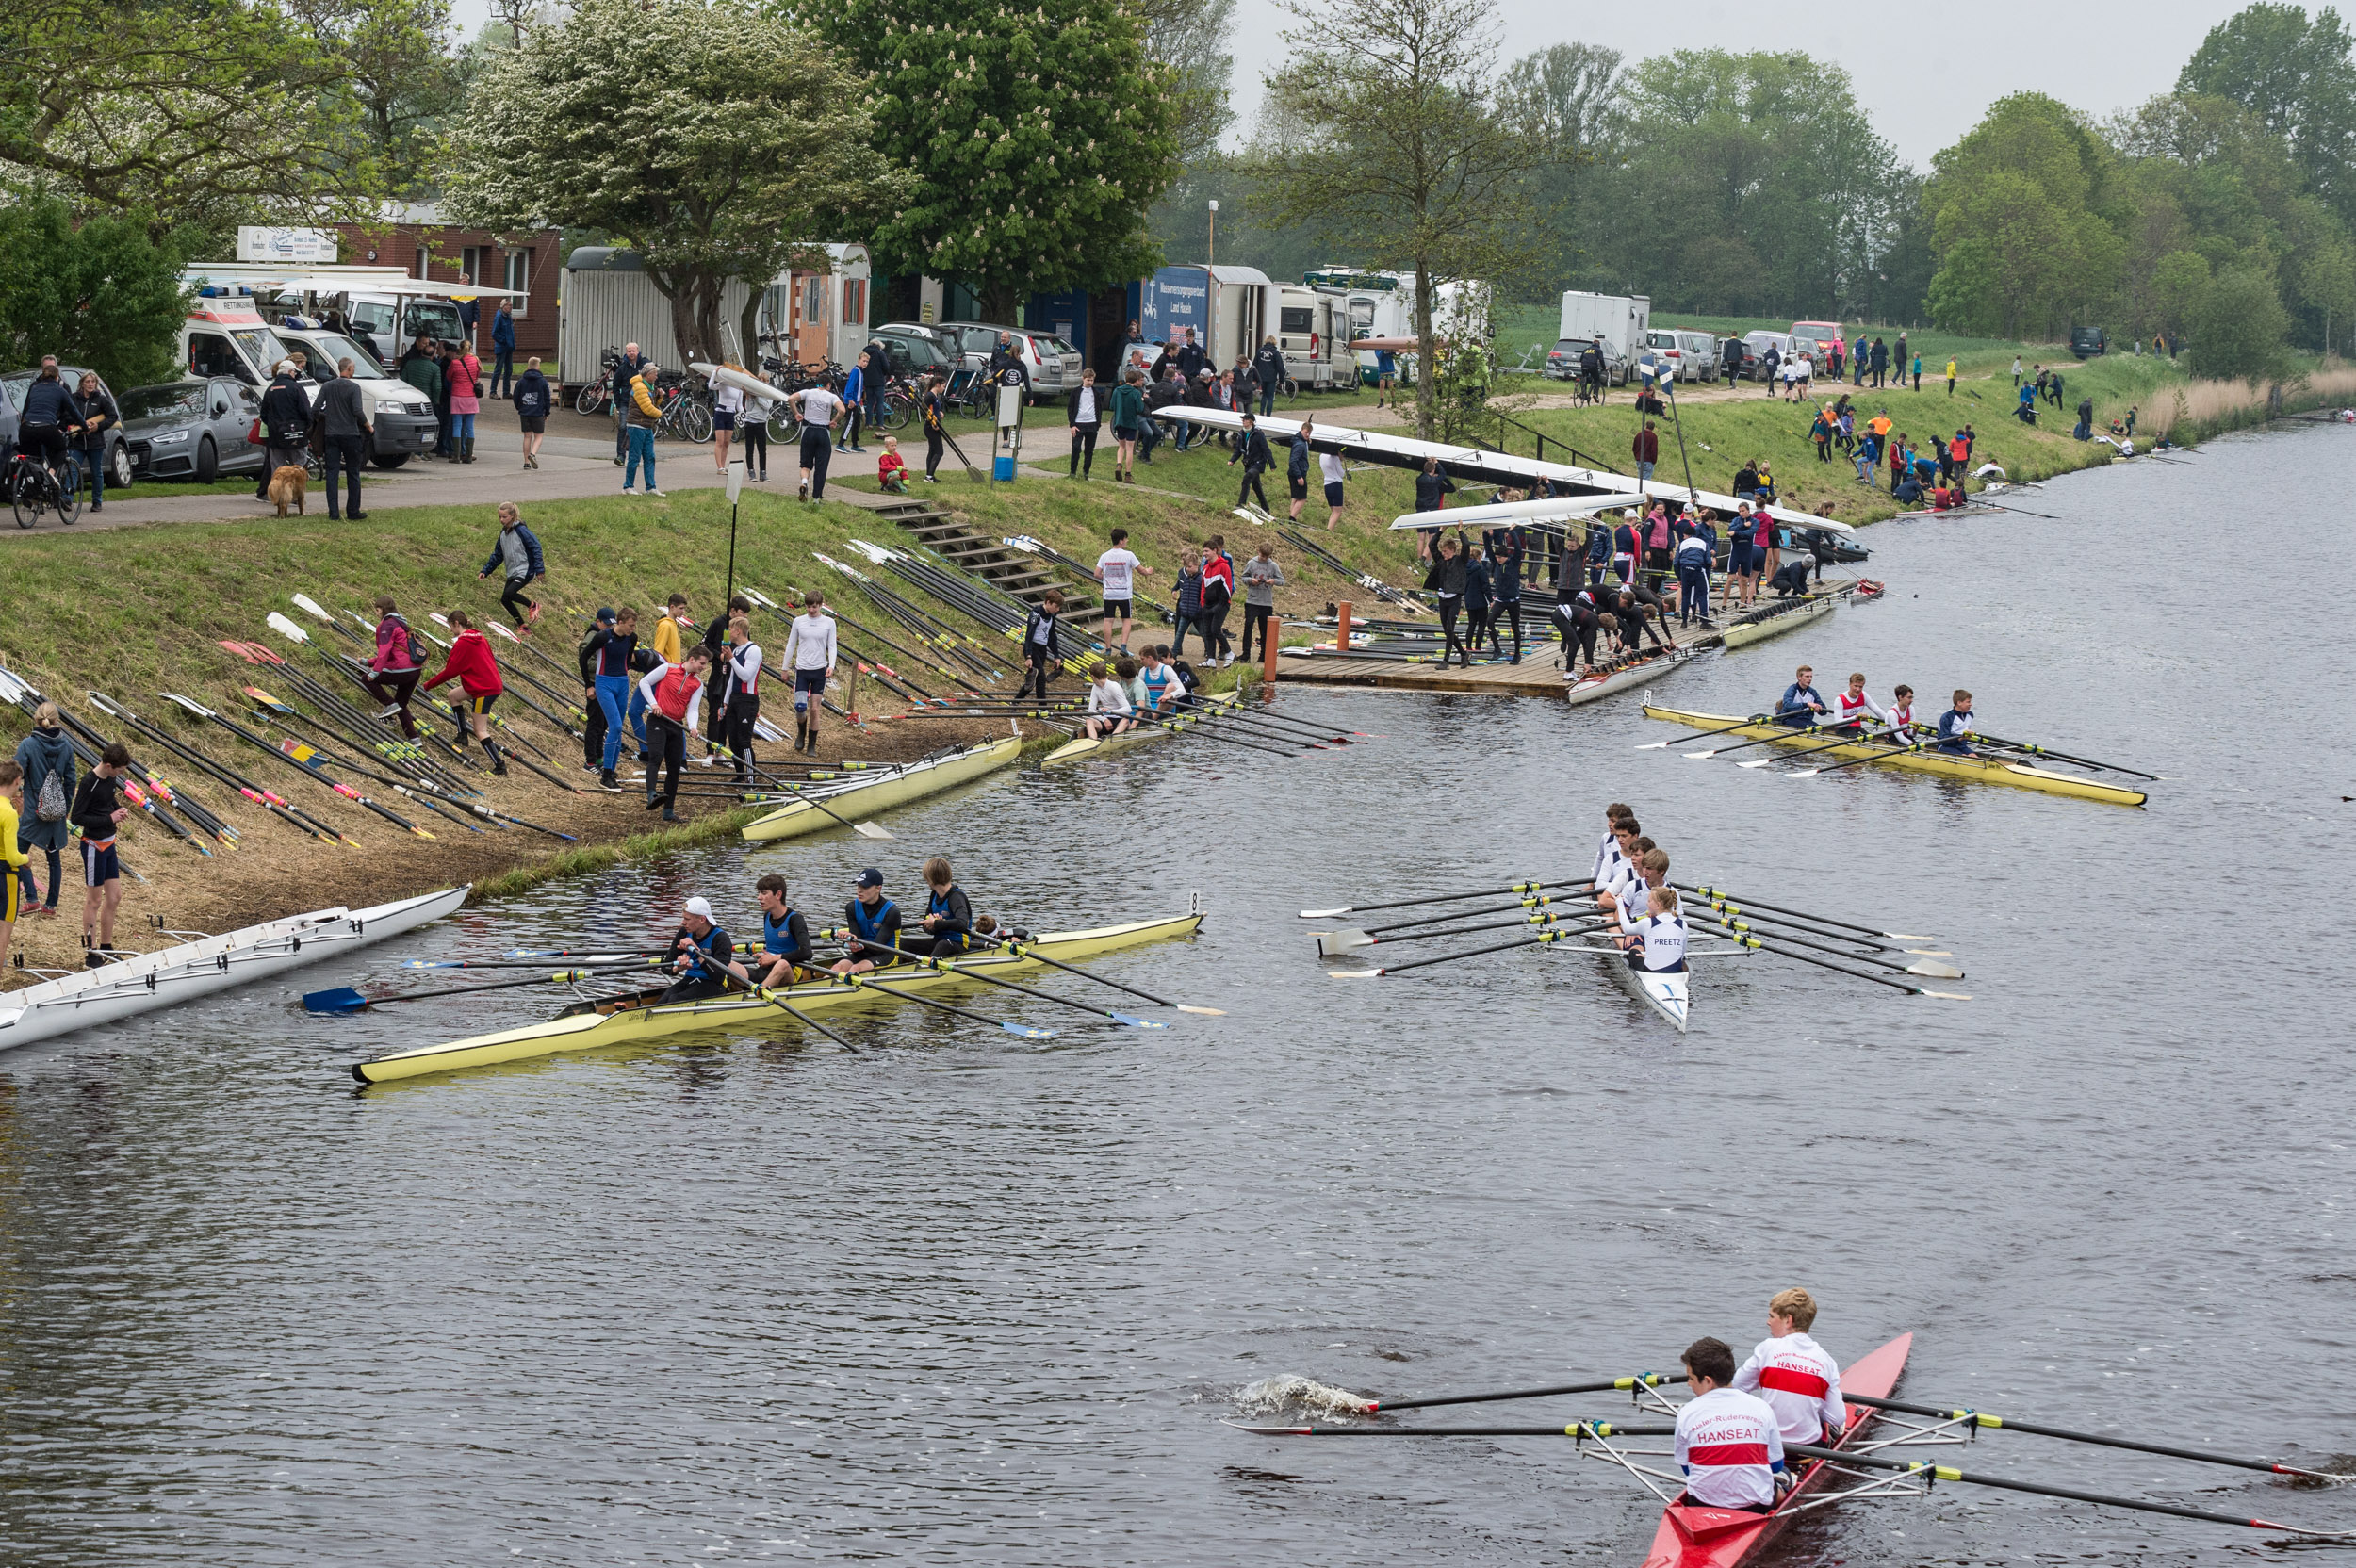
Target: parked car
x,y
12,388
193,429
1664,347
1756,344
1702,361
1563,361
1053,365
913,352
1747,363
2085,342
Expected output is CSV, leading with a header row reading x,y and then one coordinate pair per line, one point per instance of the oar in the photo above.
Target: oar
x,y
1848,740
343,1000
864,829
1710,892
1785,732
942,966
1535,901
1581,1430
1727,906
1436,898
1703,735
763,993
2034,750
1945,1473
1333,944
1859,762
1540,937
1740,928
525,960
1741,939
490,815
2199,1456
870,982
1030,951
1605,1385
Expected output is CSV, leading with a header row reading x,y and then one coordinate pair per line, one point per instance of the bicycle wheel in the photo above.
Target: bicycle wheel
x,y
26,496
695,421
68,503
898,408
590,399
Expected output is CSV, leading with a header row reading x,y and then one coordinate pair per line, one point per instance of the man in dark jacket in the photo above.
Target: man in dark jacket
x,y
1297,471
1730,355
286,425
1190,357
1159,394
503,348
343,415
1268,369
1880,360
48,418
1252,450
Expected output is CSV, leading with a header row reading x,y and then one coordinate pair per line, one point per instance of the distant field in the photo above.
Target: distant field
x,y
1520,326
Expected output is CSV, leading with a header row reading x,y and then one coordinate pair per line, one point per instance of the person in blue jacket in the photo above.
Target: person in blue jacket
x,y
1801,701
854,406
503,352
516,553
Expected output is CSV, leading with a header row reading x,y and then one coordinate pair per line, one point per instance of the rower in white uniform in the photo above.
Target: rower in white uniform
x,y
1791,1372
1902,711
1728,1443
1854,709
1625,874
1608,855
1656,944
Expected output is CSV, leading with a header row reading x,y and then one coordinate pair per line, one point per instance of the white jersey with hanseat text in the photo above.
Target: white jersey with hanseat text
x,y
1800,1383
1729,1448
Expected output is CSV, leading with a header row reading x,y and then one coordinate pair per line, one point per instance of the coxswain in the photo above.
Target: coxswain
x,y
784,935
948,921
1656,944
477,671
1793,1375
704,957
1852,708
1109,709
673,694
870,927
1801,701
810,653
1955,726
1730,1443
996,932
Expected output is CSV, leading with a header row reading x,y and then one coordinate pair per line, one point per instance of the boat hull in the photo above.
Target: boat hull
x,y
1729,1538
1983,770
1669,994
631,1022
1082,749
209,964
1742,633
1592,688
865,797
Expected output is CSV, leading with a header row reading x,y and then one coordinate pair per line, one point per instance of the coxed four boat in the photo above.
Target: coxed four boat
x,y
1981,769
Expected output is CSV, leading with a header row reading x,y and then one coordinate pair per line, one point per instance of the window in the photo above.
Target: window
x,y
470,264
1296,318
855,301
813,300
517,279
209,354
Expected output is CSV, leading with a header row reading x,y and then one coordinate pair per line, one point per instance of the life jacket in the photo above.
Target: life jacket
x,y
703,947
866,921
773,932
938,904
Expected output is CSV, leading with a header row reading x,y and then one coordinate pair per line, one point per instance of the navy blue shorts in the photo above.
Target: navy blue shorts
x,y
99,865
813,681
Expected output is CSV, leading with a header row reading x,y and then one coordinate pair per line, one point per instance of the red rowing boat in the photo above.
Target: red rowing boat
x,y
1729,1538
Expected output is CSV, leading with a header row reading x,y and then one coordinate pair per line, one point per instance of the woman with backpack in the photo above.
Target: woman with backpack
x,y
393,673
464,373
530,394
46,757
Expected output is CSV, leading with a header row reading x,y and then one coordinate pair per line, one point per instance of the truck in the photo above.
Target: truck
x,y
1621,320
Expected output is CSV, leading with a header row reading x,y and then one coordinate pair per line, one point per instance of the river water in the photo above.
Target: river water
x,y
965,1297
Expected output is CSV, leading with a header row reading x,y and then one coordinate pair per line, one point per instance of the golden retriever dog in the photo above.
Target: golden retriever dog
x,y
287,485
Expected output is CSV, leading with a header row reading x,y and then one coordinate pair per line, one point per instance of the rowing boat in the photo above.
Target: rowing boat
x,y
872,793
1731,1538
1596,684
1081,749
627,1020
1984,769
1777,619
203,965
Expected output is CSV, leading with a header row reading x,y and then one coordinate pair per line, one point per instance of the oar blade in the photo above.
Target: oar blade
x,y
869,830
1801,773
1943,996
1352,973
1767,761
1333,944
1936,972
1324,914
1132,1022
1028,1031
335,1002
1202,1012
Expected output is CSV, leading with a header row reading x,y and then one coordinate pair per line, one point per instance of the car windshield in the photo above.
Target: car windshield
x,y
164,401
430,318
337,348
261,346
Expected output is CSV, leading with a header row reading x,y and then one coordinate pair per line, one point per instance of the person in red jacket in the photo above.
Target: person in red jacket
x,y
478,676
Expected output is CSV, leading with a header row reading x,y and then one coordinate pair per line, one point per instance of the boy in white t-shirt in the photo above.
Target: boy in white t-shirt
x,y
1118,570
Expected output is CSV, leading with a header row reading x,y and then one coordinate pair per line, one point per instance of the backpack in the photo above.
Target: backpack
x,y
50,805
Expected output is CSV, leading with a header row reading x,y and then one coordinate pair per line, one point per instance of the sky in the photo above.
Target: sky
x,y
1924,72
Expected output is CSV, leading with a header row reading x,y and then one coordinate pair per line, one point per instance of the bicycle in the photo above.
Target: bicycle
x,y
686,411
592,399
33,490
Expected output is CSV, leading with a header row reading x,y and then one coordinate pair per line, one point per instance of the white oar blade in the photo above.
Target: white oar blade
x,y
1936,972
1352,973
1324,914
1768,760
1945,996
869,830
1659,745
1702,755
1333,944
1202,1012
1803,773
1908,937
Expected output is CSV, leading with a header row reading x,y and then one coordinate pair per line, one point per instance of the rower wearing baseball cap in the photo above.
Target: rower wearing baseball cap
x,y
704,952
870,927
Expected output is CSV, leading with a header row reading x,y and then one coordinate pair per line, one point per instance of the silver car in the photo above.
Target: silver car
x,y
193,429
1053,365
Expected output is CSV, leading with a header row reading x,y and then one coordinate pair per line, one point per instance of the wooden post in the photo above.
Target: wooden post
x,y
1341,628
1269,631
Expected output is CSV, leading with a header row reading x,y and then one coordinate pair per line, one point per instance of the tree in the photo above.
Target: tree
x,y
400,65
1401,149
2297,77
1570,95
183,112
714,140
2014,224
2238,328
101,295
1035,141
1189,37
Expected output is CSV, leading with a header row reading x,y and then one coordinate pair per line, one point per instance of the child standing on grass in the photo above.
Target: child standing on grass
x,y
891,471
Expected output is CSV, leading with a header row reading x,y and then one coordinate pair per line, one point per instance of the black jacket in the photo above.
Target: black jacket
x,y
1251,449
1297,462
530,394
1446,575
1055,639
341,410
285,412
1007,367
1190,359
94,805
1268,366
1161,394
49,403
1429,488
98,415
1104,404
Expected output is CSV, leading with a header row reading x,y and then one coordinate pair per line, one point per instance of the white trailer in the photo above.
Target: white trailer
x,y
1619,319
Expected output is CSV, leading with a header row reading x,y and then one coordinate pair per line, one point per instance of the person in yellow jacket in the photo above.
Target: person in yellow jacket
x,y
1951,375
13,859
644,414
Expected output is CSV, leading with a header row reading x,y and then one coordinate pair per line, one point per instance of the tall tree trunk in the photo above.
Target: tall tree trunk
x,y
1000,301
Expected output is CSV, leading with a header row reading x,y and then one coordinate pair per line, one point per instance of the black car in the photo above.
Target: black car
x,y
193,429
2085,342
12,388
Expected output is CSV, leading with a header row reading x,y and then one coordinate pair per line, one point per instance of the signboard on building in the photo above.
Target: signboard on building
x,y
256,243
1172,301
